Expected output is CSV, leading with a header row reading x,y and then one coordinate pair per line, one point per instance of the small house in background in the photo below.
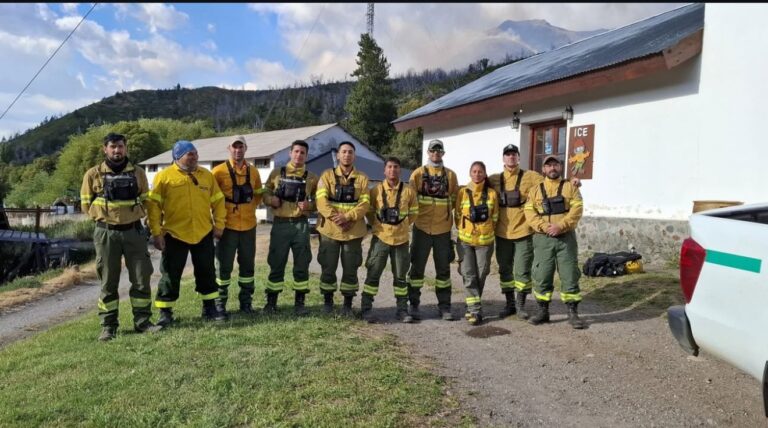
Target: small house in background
x,y
269,150
651,116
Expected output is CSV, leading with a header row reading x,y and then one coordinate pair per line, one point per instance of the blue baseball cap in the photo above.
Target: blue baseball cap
x,y
181,148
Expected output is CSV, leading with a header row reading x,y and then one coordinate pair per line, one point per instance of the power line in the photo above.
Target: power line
x,y
47,61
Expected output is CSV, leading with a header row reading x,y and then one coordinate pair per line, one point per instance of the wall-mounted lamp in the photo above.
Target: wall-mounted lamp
x,y
568,113
515,123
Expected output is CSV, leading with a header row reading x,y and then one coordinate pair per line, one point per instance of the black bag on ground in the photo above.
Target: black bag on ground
x,y
609,264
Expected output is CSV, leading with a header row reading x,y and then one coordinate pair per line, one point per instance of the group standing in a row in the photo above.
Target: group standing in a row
x,y
528,218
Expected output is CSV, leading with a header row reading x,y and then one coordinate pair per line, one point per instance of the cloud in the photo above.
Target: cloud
x,y
267,74
158,16
211,28
209,44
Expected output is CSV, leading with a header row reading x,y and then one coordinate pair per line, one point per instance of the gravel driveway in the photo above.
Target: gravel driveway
x,y
624,370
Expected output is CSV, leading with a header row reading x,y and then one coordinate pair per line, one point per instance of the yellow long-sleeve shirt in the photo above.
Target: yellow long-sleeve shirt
x,y
435,214
240,217
181,207
512,224
113,212
393,234
476,233
288,208
354,211
567,221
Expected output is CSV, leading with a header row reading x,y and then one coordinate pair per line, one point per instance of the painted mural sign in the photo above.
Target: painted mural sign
x,y
581,147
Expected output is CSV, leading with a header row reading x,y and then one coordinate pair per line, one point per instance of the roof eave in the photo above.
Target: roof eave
x,y
664,60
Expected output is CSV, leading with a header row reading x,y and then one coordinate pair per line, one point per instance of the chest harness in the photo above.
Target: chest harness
x,y
477,213
435,186
387,214
511,199
344,193
555,204
292,188
241,193
121,186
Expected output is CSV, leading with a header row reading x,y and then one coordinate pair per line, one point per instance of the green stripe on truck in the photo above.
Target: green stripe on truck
x,y
733,260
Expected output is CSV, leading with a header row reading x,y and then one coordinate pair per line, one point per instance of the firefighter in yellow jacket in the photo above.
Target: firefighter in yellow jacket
x,y
342,203
114,195
436,187
182,203
241,184
553,211
393,209
290,191
477,211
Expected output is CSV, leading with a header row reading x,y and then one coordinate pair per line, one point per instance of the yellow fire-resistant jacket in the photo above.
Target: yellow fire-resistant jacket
x,y
113,212
435,214
355,212
243,216
476,233
290,209
393,234
183,206
567,221
512,224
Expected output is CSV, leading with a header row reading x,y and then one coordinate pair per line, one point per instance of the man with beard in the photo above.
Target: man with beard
x,y
186,211
241,184
290,191
113,194
553,211
342,203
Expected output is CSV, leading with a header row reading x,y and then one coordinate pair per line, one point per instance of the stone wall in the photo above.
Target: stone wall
x,y
658,241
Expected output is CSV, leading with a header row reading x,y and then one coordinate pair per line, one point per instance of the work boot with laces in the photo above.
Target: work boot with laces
x,y
573,316
520,306
509,307
542,316
108,333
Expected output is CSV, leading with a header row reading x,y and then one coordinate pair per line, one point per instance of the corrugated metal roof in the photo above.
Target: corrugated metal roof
x,y
634,41
260,144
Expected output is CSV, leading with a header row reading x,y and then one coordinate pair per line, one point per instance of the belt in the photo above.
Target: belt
x,y
299,219
129,226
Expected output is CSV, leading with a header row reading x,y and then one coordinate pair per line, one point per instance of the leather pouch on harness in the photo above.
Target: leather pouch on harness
x,y
120,187
511,198
292,189
555,204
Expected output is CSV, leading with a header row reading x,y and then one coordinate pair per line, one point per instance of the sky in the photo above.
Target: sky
x,y
124,47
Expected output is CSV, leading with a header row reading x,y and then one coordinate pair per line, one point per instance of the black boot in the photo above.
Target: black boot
x,y
328,303
414,296
366,308
509,308
402,310
246,308
346,309
271,306
573,316
444,303
298,308
210,313
520,305
108,333
221,306
166,317
542,316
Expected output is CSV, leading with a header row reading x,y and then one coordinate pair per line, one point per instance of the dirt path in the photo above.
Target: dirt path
x,y
624,370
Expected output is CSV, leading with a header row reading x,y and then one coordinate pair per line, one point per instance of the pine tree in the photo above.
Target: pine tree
x,y
371,103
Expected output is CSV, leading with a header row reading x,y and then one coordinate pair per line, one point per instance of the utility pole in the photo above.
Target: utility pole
x,y
370,19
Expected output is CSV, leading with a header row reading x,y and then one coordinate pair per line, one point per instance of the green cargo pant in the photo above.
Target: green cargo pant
x,y
111,247
244,244
377,261
172,264
285,237
351,253
474,266
421,245
515,257
561,253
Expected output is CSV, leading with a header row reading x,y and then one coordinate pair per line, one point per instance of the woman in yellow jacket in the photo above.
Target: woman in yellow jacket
x,y
477,208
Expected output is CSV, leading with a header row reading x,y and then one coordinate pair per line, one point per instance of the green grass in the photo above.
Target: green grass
x,y
651,292
261,371
30,281
81,230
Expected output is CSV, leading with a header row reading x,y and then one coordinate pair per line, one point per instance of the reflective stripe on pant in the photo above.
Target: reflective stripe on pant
x,y
515,258
351,254
441,247
378,254
284,238
474,267
559,253
244,244
111,246
172,264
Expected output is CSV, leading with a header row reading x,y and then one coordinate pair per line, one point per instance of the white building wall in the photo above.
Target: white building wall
x,y
661,142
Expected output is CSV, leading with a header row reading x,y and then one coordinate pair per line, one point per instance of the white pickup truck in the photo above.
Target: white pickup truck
x,y
725,285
